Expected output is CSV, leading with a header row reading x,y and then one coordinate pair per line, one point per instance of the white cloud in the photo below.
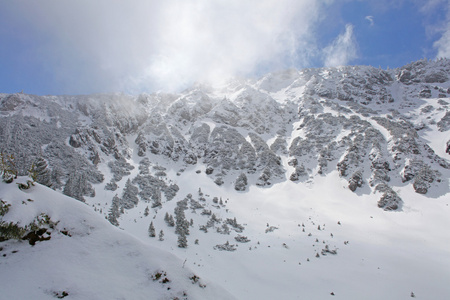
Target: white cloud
x,y
147,45
443,44
342,50
428,6
370,19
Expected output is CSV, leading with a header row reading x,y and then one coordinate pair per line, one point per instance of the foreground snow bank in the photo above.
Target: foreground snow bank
x,y
86,257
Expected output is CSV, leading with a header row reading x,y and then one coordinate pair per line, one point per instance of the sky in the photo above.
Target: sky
x,y
53,47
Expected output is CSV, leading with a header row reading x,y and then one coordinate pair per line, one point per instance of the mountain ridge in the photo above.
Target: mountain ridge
x,y
317,118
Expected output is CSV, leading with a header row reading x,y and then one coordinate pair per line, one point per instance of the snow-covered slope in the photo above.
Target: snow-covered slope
x,y
85,257
296,185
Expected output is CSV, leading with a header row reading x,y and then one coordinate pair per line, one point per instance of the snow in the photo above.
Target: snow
x,y
98,261
388,255
379,254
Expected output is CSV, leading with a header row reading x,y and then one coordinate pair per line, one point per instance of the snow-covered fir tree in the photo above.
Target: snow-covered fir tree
x,y
129,195
77,186
151,230
42,172
182,240
114,213
168,218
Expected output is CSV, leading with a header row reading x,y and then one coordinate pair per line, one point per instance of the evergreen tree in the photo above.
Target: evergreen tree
x,y
56,175
161,235
182,241
146,211
42,173
182,225
78,186
156,197
129,195
71,189
113,213
171,221
151,230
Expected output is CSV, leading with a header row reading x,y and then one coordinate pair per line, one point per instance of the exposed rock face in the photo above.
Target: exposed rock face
x,y
361,122
389,199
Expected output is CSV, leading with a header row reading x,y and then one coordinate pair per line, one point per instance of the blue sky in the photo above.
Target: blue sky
x,y
83,47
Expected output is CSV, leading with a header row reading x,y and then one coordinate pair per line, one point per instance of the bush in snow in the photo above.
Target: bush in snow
x,y
423,179
389,200
237,227
8,169
225,247
241,239
241,183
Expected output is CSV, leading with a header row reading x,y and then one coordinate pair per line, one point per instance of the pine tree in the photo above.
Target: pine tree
x,y
156,198
113,213
151,230
161,235
182,225
129,195
77,186
56,175
182,241
171,221
146,211
42,173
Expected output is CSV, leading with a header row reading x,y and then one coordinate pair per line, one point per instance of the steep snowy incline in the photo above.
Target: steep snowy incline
x,y
78,254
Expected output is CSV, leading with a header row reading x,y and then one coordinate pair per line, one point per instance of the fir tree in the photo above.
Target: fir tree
x,y
156,197
56,175
182,225
182,241
166,217
161,235
151,230
78,186
146,211
42,173
113,213
129,195
171,221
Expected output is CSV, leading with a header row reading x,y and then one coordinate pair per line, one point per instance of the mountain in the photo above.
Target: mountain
x,y
260,184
